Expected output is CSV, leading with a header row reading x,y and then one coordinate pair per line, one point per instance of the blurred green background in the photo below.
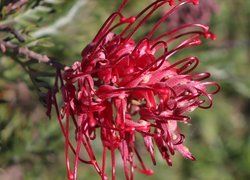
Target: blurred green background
x,y
32,146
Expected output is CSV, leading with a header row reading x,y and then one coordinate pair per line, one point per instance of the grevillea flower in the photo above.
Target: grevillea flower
x,y
126,92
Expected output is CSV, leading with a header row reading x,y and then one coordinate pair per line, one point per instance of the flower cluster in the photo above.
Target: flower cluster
x,y
129,91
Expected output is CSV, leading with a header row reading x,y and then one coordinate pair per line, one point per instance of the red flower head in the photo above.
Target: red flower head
x,y
126,91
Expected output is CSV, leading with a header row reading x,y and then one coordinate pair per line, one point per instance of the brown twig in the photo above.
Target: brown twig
x,y
14,6
10,29
29,54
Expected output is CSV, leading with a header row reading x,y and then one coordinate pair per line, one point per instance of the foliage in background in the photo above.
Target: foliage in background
x,y
31,145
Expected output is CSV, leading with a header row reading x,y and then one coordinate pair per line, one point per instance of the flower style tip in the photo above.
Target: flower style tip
x,y
195,2
124,90
171,2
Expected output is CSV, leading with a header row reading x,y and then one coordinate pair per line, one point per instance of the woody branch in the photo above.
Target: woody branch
x,y
15,6
6,46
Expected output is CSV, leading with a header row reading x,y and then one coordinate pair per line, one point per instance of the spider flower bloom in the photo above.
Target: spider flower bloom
x,y
129,92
